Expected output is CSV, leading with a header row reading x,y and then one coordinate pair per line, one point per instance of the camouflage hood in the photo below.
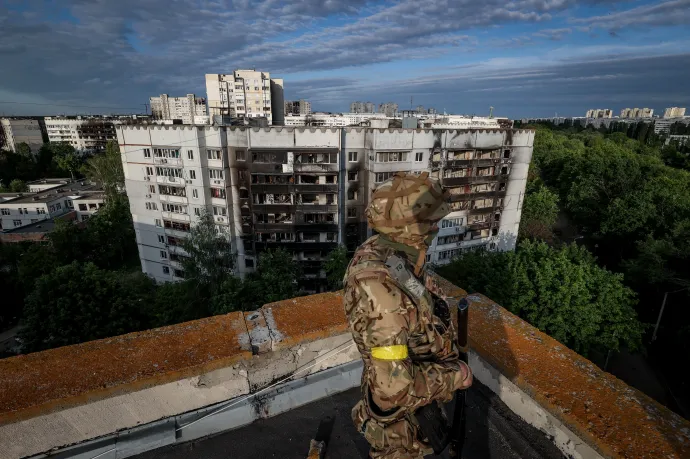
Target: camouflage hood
x,y
406,207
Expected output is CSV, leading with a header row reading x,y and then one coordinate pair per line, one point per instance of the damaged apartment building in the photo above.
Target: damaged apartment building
x,y
305,189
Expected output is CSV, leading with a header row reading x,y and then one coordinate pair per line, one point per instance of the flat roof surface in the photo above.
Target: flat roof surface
x,y
41,226
55,193
493,431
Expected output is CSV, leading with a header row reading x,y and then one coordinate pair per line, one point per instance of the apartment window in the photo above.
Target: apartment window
x,y
504,170
195,193
5,211
218,193
215,173
147,153
149,170
152,188
92,206
197,212
17,222
166,153
506,153
221,211
158,222
391,156
213,154
451,222
151,206
175,208
161,239
330,237
352,194
172,191
40,210
352,156
352,176
192,174
352,212
164,254
383,176
169,171
21,212
166,270
190,154
418,157
241,175
240,155
249,263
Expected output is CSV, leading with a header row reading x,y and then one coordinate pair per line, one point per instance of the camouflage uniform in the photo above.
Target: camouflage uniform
x,y
409,355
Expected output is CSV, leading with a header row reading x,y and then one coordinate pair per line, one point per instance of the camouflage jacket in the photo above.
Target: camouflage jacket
x,y
409,354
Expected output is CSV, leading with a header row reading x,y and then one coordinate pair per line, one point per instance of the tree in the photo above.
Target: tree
x,y
276,276
80,302
18,186
66,158
210,259
24,149
539,214
106,169
560,291
336,265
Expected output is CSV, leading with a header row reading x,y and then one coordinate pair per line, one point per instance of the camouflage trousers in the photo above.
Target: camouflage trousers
x,y
392,439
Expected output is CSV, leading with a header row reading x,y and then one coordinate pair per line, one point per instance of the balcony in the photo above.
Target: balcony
x,y
176,216
165,180
216,181
168,161
147,394
173,199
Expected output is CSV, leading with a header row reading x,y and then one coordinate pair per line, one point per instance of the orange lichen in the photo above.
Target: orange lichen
x,y
307,318
612,417
37,383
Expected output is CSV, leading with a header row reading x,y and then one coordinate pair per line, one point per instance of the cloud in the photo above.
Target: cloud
x,y
100,52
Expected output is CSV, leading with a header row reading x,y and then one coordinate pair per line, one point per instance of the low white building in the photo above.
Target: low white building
x,y
48,203
306,188
14,131
189,109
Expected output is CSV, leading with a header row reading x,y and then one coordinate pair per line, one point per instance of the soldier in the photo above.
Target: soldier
x,y
407,347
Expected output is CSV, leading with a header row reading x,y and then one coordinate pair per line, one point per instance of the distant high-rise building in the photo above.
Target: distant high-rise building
x,y
599,113
637,112
362,107
420,109
297,107
388,109
246,93
674,112
190,109
14,131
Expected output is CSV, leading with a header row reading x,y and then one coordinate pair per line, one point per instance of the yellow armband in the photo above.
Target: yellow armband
x,y
397,352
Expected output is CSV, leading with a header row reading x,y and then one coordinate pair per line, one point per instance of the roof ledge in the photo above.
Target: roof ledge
x,y
74,394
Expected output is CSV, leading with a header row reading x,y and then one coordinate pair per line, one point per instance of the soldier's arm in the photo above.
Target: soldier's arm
x,y
395,379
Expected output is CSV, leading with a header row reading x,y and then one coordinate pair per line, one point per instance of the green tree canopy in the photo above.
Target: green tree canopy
x,y
106,169
336,265
66,157
80,302
560,291
18,186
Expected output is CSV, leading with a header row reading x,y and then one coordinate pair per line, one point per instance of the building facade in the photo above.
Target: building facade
x,y
246,94
85,133
674,112
305,189
297,107
14,131
637,112
599,113
189,109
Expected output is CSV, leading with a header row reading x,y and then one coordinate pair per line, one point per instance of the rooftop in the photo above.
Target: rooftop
x,y
261,371
58,192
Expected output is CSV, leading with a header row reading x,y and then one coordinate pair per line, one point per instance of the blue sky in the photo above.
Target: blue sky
x,y
524,57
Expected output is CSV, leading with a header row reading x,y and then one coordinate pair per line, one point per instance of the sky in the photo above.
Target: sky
x,y
524,57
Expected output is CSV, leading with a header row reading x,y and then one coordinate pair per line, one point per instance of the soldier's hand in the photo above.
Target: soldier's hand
x,y
463,378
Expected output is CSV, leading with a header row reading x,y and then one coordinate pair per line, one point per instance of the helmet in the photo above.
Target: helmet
x,y
406,207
